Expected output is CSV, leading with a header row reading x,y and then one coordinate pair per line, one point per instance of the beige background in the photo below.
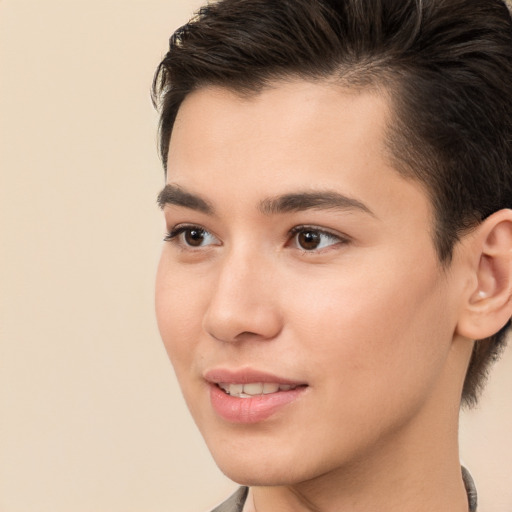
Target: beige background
x,y
90,414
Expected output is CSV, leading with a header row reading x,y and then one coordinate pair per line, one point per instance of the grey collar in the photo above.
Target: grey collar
x,y
469,484
235,503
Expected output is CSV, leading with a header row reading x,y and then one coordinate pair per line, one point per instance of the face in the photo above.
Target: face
x,y
299,295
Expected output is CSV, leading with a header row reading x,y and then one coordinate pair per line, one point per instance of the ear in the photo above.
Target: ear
x,y
488,305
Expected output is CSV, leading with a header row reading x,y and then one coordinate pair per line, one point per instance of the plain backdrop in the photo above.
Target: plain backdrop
x,y
91,417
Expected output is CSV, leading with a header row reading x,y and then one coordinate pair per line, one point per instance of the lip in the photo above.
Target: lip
x,y
246,376
249,410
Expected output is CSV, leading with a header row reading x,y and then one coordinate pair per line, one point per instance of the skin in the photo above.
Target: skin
x,y
369,319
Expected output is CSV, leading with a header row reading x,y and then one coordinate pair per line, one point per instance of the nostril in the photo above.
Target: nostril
x,y
245,335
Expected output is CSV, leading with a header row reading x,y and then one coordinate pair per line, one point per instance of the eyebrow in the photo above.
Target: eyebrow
x,y
327,200
286,203
172,194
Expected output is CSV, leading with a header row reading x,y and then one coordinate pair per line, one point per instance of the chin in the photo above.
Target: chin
x,y
247,467
260,475
264,466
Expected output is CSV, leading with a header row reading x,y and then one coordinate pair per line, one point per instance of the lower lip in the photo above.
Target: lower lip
x,y
250,410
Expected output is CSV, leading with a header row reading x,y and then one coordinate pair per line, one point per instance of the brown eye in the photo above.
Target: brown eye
x,y
194,237
308,240
312,239
191,236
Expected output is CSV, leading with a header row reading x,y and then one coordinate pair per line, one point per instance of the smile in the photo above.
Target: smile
x,y
252,389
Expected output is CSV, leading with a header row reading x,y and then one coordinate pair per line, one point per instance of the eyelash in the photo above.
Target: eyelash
x,y
175,233
172,235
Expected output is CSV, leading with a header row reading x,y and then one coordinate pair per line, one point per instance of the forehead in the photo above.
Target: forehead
x,y
289,136
286,111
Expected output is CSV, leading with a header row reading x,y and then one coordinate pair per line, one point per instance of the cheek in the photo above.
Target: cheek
x,y
375,327
179,308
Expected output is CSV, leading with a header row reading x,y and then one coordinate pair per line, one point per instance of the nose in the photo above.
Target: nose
x,y
244,302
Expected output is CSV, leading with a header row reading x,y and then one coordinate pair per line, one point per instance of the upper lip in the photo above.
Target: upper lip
x,y
245,376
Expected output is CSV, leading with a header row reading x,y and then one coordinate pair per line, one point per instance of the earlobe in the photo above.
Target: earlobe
x,y
489,304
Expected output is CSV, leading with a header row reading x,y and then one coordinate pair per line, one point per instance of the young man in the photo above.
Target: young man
x,y
339,178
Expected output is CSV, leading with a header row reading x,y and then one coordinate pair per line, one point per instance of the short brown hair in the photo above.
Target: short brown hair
x,y
447,65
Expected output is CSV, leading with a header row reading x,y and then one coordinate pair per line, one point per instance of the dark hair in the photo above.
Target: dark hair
x,y
446,64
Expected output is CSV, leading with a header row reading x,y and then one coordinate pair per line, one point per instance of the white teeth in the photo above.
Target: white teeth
x,y
235,389
253,388
269,387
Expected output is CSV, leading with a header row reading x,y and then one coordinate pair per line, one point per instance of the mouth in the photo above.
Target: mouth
x,y
252,389
249,396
